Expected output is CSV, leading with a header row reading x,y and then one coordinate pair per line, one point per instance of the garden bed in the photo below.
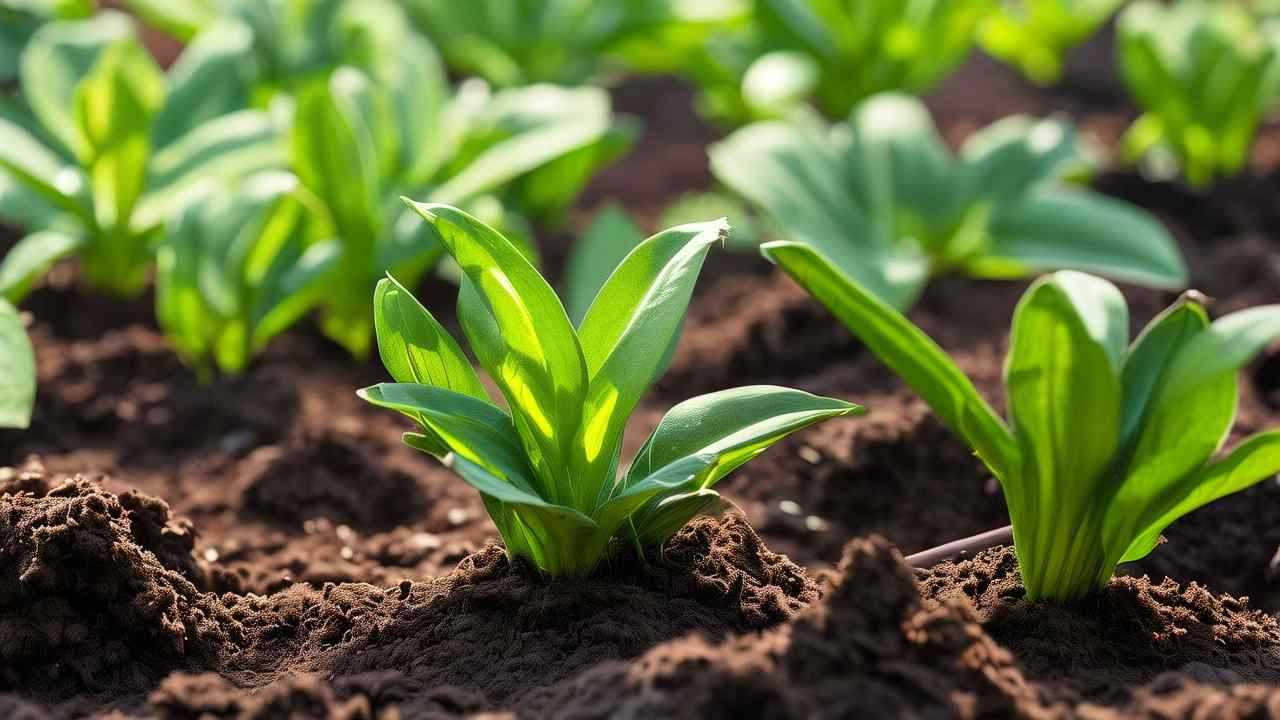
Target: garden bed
x,y
266,545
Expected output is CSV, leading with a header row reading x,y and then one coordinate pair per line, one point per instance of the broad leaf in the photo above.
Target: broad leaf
x,y
214,76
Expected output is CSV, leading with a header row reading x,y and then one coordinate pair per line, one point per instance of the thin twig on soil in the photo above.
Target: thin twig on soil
x,y
961,548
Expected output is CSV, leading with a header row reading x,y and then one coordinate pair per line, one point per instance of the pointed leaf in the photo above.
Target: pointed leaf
x,y
731,426
655,525
541,373
415,348
468,426
906,350
1254,460
594,257
41,170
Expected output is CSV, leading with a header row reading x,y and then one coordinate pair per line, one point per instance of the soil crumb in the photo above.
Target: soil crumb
x,y
97,591
1123,637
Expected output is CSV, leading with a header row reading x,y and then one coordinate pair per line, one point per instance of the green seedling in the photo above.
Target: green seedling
x,y
548,469
1205,74
107,146
833,53
239,267
1035,35
885,199
1108,442
17,370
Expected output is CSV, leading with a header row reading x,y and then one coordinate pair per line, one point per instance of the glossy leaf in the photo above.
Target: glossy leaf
x,y
905,349
415,348
18,379
594,256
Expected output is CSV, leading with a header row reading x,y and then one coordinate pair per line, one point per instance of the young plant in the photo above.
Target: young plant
x,y
1108,442
549,470
17,370
888,203
834,53
363,137
1035,35
1204,73
240,266
108,146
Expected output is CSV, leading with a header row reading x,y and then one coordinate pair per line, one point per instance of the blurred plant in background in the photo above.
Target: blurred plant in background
x,y
19,20
1205,73
1035,35
102,146
832,52
885,200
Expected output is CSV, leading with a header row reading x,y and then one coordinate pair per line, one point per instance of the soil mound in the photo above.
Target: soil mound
x,y
493,630
869,649
97,591
1125,636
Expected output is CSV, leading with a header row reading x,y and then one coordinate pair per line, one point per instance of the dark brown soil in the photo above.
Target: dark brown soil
x,y
337,573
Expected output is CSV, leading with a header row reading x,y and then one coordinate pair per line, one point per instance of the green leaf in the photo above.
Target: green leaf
x,y
57,59
542,373
1254,460
1069,331
214,76
41,170
731,427
1229,343
1015,156
677,478
468,426
805,184
906,350
18,375
228,148
415,348
292,293
628,334
1149,358
1078,230
655,524
595,255
32,257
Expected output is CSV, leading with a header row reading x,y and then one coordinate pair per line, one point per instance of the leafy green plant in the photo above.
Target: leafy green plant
x,y
107,146
240,266
1108,442
884,198
20,19
363,137
1204,73
292,42
17,370
1035,35
833,52
549,470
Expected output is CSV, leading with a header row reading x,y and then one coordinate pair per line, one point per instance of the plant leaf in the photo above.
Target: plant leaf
x,y
415,348
1150,356
730,427
30,258
470,427
41,170
627,337
1017,155
654,525
1255,459
1078,230
214,76
541,373
1063,384
906,350
18,375
595,255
